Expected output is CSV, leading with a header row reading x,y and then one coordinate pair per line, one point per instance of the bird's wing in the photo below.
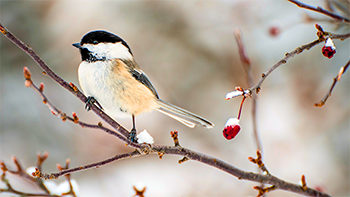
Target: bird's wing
x,y
141,77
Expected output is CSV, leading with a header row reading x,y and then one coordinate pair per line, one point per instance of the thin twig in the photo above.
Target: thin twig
x,y
21,173
249,76
335,80
68,177
296,51
40,159
10,189
258,161
345,10
340,36
283,61
88,166
320,10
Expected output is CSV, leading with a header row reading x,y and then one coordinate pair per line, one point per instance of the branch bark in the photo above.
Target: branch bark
x,y
296,51
335,80
249,76
320,10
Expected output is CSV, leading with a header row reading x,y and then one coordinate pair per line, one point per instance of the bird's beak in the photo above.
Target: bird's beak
x,y
77,45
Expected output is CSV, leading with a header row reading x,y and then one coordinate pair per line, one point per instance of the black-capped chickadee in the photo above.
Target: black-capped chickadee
x,y
110,77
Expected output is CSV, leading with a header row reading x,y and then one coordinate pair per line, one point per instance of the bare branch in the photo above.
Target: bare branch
x,y
68,177
19,170
320,10
322,36
296,51
249,76
244,57
340,36
240,174
85,167
24,175
283,61
335,80
196,156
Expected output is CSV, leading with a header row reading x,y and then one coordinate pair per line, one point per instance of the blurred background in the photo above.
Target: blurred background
x,y
188,50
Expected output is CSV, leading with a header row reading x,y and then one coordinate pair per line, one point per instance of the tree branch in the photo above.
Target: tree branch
x,y
39,174
283,61
36,181
240,174
196,156
320,10
249,76
335,80
296,51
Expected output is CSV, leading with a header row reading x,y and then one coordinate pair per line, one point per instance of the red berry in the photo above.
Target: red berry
x,y
328,51
230,131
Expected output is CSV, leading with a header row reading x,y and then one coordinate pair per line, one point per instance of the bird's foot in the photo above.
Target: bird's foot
x,y
132,135
90,101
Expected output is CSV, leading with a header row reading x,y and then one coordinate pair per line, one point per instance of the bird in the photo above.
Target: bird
x,y
110,78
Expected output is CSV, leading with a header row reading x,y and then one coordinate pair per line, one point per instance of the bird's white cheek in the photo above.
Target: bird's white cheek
x,y
109,51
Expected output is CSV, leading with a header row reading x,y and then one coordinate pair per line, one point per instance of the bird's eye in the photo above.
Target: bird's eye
x,y
95,42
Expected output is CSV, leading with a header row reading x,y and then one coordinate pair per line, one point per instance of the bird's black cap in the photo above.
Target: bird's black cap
x,y
100,36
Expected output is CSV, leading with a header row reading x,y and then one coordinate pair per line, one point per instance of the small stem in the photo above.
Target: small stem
x,y
249,77
10,189
97,164
240,107
320,10
283,61
335,80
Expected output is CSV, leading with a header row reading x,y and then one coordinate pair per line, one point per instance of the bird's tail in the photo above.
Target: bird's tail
x,y
185,117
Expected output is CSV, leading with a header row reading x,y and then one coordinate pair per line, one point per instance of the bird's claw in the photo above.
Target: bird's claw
x,y
132,135
90,101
